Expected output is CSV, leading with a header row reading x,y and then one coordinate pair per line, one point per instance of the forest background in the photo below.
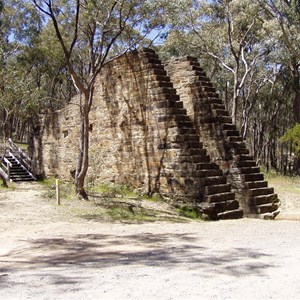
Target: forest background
x,y
51,50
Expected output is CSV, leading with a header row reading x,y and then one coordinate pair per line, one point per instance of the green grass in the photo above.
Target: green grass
x,y
115,203
190,212
283,183
11,186
112,190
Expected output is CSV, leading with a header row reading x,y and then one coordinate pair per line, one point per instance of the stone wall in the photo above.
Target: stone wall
x,y
221,138
144,133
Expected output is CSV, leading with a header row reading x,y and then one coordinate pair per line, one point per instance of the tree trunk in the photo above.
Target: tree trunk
x,y
2,177
235,96
83,157
296,88
4,183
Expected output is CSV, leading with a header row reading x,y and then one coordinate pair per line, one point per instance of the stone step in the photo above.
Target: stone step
x,y
228,126
236,145
209,94
231,133
193,144
220,197
197,68
207,166
210,173
159,77
235,139
185,124
256,184
246,163
221,188
243,157
186,130
193,151
177,138
226,205
261,191
158,71
270,216
263,199
218,106
231,214
265,208
253,177
202,78
215,180
214,100
195,159
249,170
176,111
222,112
209,90
239,151
223,119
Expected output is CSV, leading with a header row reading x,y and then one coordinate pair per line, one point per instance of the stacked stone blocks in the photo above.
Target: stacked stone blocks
x,y
149,132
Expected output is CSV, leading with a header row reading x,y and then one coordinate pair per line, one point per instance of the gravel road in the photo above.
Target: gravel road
x,y
45,254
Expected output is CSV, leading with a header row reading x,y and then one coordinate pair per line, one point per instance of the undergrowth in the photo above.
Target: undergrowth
x,y
113,203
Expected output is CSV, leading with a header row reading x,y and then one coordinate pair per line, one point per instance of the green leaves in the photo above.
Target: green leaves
x,y
292,137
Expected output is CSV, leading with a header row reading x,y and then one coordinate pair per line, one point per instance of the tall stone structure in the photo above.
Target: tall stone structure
x,y
161,130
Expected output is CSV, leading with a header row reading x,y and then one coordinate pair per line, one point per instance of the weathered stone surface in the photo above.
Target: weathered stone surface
x,y
160,129
220,137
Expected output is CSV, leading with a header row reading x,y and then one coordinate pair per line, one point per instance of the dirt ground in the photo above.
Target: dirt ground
x,y
46,253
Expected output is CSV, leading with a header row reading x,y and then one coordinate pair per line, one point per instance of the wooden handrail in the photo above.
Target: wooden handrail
x,y
5,169
22,157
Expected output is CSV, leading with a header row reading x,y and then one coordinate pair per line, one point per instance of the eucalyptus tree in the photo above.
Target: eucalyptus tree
x,y
230,35
91,33
283,19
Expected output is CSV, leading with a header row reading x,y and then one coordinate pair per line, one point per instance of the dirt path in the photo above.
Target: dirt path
x,y
47,254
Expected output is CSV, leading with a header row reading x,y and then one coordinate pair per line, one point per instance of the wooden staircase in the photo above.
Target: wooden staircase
x,y
16,164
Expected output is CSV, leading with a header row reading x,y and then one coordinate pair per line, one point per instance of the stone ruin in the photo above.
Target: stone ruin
x,y
161,128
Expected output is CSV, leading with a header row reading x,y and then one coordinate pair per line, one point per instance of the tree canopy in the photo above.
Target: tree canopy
x,y
52,49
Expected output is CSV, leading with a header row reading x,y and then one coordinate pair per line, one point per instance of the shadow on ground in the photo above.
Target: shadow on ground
x,y
98,251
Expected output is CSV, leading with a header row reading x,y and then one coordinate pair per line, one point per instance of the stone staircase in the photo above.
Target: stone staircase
x,y
229,150
184,153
